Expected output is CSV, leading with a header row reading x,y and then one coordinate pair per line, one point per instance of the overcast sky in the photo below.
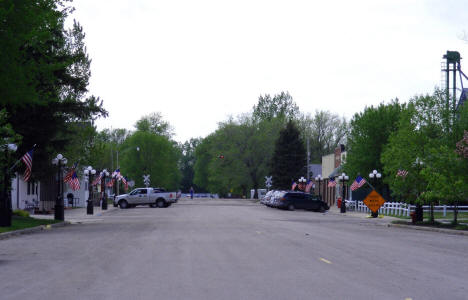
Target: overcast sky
x,y
197,62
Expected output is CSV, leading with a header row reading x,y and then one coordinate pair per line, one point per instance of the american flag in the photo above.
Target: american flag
x,y
116,174
97,180
74,182
125,182
27,159
358,183
332,182
402,173
110,183
293,186
69,175
309,186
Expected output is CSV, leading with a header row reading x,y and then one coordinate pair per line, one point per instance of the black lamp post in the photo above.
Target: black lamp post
x,y
59,213
104,174
5,200
90,172
343,178
318,179
374,176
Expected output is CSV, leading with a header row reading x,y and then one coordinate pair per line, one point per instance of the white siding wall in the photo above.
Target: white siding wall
x,y
328,164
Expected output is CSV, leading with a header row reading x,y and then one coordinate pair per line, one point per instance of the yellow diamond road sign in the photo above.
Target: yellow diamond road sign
x,y
374,201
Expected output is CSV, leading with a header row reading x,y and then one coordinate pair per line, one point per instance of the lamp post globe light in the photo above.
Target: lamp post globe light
x,y
5,199
343,178
59,161
374,176
318,179
90,172
104,174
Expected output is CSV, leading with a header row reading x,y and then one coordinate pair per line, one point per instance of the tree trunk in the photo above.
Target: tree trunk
x,y
455,213
432,213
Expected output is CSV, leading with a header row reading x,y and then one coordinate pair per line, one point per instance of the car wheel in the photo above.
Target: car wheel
x,y
160,203
291,207
123,204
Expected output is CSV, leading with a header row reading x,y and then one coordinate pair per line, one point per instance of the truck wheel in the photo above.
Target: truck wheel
x,y
160,203
123,204
153,205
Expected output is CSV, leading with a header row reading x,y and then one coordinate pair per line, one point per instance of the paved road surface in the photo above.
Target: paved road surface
x,y
232,249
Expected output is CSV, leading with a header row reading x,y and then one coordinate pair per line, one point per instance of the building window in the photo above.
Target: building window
x,y
32,187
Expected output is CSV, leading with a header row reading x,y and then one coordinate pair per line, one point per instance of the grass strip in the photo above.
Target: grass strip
x,y
18,222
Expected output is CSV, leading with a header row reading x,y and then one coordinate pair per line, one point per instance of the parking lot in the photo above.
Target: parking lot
x,y
232,249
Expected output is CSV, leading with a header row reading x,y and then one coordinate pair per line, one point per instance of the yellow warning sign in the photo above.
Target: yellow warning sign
x,y
374,201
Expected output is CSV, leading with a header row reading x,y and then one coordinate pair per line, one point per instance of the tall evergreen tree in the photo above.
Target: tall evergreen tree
x,y
289,158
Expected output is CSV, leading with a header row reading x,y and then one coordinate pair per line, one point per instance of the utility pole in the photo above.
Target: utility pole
x,y
308,159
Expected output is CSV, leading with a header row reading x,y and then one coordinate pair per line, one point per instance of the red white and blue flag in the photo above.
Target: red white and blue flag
x,y
309,185
74,182
27,159
125,182
116,174
293,186
69,175
358,183
97,180
332,182
402,173
111,183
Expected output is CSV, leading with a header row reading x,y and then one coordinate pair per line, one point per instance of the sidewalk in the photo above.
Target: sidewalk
x,y
381,220
79,215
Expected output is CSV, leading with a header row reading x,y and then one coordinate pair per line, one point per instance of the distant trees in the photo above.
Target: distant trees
x,y
154,123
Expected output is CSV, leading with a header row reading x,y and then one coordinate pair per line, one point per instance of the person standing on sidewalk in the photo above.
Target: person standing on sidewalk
x,y
191,192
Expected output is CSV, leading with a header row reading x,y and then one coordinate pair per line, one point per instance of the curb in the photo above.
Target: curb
x,y
9,234
441,230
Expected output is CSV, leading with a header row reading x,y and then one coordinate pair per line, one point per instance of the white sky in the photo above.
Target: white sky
x,y
197,62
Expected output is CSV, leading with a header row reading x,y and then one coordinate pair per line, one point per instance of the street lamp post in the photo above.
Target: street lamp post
x,y
59,213
343,178
5,200
104,174
374,176
318,179
90,172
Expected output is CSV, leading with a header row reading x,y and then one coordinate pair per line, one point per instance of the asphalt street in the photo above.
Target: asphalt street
x,y
232,249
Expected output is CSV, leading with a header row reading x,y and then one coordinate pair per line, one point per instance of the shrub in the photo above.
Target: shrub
x,y
21,213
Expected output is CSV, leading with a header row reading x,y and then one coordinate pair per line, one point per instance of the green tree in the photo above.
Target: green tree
x,y
44,83
281,105
149,153
369,133
154,123
187,164
289,157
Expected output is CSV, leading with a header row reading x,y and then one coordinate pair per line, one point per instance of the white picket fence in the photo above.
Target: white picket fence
x,y
401,209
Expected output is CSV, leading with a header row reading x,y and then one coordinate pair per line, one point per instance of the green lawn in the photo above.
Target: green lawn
x,y
435,225
18,222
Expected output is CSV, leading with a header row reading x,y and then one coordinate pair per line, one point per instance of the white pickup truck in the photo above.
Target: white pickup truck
x,y
154,197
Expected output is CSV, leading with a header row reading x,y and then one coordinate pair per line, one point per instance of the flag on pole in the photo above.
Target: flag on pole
x,y
293,186
402,173
332,182
27,159
358,183
309,186
97,180
74,182
69,175
116,174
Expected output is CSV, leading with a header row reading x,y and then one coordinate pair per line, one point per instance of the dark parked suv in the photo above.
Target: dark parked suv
x,y
293,200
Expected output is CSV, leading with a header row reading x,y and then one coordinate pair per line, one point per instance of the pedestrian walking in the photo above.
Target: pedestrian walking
x,y
191,192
